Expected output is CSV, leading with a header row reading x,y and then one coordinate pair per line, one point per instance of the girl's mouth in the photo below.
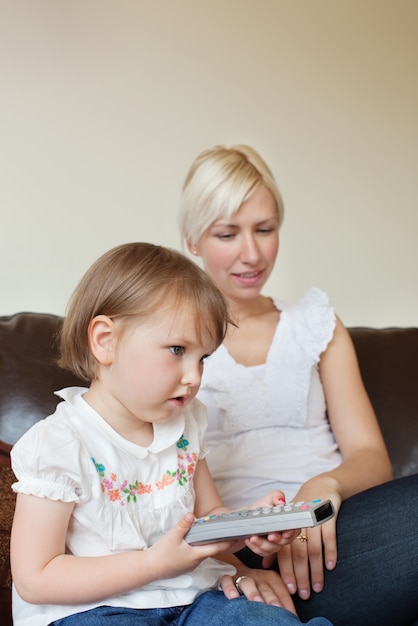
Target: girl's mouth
x,y
180,401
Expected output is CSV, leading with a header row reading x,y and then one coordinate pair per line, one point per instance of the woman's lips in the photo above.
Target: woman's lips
x,y
248,278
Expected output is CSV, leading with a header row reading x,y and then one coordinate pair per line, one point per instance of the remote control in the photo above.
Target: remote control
x,y
259,521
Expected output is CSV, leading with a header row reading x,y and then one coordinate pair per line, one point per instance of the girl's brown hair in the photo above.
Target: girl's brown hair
x,y
134,280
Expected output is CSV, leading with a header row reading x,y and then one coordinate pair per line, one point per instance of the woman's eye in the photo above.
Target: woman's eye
x,y
177,350
225,236
265,230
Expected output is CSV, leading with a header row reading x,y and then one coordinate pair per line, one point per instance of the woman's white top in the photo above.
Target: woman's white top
x,y
125,495
268,427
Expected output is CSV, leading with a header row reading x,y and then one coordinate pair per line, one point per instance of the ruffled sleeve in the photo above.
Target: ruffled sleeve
x,y
314,322
48,463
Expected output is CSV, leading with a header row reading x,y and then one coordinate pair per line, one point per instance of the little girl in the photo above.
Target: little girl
x,y
109,485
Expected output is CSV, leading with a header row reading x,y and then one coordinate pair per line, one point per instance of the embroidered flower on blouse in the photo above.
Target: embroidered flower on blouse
x,y
126,491
100,468
166,480
182,443
137,489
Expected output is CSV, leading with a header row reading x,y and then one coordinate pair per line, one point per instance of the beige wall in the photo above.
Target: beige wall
x,y
105,103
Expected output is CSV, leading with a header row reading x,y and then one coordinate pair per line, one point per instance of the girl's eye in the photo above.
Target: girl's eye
x,y
177,350
265,230
204,357
225,236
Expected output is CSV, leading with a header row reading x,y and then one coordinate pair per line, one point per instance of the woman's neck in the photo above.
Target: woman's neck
x,y
249,342
243,309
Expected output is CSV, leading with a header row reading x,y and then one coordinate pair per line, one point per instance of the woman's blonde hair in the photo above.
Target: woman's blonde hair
x,y
218,182
133,281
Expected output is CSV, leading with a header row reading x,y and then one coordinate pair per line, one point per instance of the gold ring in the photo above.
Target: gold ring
x,y
237,582
303,538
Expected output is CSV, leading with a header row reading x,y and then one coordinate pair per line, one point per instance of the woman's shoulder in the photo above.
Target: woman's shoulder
x,y
314,297
311,319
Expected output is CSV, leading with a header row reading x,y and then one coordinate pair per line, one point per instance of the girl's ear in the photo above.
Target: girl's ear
x,y
193,249
101,336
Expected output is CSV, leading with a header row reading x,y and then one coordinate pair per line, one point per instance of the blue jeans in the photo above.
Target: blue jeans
x,y
210,609
375,581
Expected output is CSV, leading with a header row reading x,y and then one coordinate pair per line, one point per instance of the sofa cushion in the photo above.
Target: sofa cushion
x,y
29,376
29,373
388,359
7,498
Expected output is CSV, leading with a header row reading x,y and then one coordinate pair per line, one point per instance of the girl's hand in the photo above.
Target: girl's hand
x,y
270,544
259,586
264,546
270,499
171,555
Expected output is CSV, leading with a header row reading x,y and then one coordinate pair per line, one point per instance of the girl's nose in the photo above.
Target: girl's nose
x,y
193,375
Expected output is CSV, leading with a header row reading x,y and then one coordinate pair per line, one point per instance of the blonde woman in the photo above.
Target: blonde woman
x,y
287,409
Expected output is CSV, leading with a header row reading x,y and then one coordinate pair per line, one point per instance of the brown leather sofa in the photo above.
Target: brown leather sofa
x,y
29,376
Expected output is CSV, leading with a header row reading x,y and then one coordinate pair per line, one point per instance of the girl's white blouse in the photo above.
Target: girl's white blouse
x,y
124,494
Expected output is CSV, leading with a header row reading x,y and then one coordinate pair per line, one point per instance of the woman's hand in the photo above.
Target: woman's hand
x,y
301,563
258,586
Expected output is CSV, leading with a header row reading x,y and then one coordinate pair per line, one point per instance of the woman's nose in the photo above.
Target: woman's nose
x,y
250,252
